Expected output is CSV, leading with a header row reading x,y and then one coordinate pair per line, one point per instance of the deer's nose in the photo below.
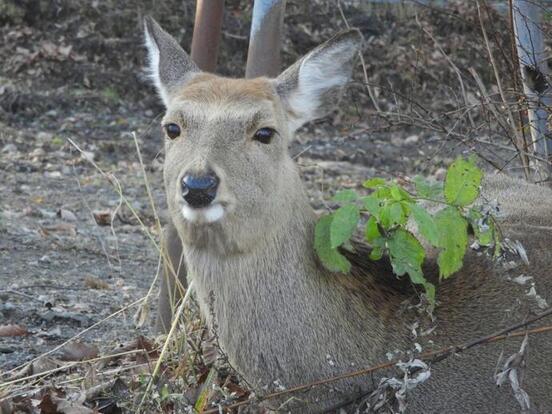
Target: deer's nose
x,y
199,190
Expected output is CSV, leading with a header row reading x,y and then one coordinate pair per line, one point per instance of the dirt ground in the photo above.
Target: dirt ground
x,y
71,251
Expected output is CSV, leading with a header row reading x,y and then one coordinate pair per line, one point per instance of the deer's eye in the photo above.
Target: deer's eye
x,y
172,130
264,135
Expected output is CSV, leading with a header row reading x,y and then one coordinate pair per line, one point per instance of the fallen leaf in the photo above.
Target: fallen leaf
x,y
64,229
102,217
66,215
13,330
55,402
79,351
94,282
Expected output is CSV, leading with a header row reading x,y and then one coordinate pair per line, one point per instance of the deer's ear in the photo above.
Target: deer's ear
x,y
312,86
169,66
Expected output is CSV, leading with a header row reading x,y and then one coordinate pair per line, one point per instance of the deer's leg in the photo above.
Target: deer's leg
x,y
173,278
263,56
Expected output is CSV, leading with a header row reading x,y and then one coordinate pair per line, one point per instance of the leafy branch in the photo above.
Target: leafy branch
x,y
386,212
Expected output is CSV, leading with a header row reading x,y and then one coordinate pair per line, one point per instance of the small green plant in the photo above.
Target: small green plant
x,y
110,94
388,209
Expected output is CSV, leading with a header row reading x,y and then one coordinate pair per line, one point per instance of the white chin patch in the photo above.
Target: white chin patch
x,y
204,215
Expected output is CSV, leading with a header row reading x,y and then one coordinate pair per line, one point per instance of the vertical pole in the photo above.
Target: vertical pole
x,y
263,56
207,33
535,74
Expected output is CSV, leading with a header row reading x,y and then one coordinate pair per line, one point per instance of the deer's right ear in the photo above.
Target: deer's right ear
x,y
169,66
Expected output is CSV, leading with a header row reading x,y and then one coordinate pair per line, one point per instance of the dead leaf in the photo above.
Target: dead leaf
x,y
139,343
38,366
94,282
65,50
55,402
513,371
66,215
13,330
102,217
142,315
79,351
63,229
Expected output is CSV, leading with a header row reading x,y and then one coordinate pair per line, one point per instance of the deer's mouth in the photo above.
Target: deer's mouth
x,y
205,215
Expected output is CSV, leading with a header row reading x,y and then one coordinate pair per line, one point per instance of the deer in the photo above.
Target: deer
x,y
242,230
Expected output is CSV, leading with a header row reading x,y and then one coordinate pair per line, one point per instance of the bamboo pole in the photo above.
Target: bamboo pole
x,y
263,56
207,33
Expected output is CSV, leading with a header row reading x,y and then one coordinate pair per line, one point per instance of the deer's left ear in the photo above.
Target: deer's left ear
x,y
312,86
169,66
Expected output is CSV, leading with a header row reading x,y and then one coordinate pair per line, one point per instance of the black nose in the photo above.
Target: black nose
x,y
199,190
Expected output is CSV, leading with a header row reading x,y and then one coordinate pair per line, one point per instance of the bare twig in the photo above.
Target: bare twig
x,y
431,356
171,333
519,142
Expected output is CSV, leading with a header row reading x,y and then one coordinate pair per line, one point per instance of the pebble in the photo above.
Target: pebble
x,y
412,139
37,152
66,215
9,148
44,136
44,259
440,174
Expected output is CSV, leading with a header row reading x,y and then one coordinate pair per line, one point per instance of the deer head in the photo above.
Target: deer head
x,y
227,171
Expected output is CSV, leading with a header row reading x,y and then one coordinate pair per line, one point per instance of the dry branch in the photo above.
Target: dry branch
x,y
430,356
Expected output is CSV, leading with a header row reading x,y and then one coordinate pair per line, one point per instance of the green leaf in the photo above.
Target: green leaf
x,y
371,231
428,189
484,232
453,240
345,196
391,215
372,204
485,237
330,258
344,224
406,253
396,214
426,224
376,253
430,292
383,193
395,193
462,182
399,194
165,393
373,182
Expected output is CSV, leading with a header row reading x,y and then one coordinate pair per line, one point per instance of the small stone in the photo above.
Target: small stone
x,y
66,215
397,141
412,139
9,148
440,174
37,152
44,136
44,259
88,155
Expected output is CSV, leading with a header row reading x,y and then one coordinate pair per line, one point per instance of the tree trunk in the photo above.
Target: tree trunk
x,y
535,73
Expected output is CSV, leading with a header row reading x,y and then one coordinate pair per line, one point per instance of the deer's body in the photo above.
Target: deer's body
x,y
279,316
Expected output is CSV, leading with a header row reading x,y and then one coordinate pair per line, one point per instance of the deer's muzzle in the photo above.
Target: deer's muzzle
x,y
199,190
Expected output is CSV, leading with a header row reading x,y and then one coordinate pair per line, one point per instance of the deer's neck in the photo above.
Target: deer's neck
x,y
272,306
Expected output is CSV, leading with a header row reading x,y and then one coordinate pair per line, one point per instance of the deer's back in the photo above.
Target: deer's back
x,y
485,297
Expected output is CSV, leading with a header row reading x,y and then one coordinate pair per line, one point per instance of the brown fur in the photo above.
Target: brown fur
x,y
210,88
280,317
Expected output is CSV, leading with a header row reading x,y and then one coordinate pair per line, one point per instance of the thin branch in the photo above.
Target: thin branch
x,y
432,356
